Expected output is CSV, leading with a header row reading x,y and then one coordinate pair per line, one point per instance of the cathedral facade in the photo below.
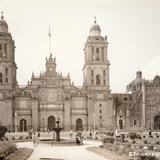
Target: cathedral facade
x,y
51,97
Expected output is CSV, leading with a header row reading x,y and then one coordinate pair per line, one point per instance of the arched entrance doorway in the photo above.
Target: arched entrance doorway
x,y
79,124
120,124
23,125
51,123
157,122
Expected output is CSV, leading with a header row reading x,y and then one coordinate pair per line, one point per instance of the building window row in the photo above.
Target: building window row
x,y
6,78
104,72
6,70
98,81
96,54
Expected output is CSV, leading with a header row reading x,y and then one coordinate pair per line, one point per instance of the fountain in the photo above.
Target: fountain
x,y
57,130
57,140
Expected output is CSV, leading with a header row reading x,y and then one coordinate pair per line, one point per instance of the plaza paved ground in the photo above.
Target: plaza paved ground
x,y
63,152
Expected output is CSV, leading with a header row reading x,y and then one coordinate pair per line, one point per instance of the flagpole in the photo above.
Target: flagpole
x,y
49,35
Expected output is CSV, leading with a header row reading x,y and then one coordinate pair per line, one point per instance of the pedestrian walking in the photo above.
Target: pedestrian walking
x,y
34,139
71,133
38,139
90,135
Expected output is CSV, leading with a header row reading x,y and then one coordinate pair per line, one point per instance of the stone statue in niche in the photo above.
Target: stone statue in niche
x,y
98,79
93,56
97,56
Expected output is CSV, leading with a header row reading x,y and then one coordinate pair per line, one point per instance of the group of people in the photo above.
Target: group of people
x,y
35,139
79,140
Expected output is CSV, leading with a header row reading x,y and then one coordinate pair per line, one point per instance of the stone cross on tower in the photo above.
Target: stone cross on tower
x,y
2,17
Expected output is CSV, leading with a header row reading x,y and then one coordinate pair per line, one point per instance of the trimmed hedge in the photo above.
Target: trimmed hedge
x,y
20,154
6,148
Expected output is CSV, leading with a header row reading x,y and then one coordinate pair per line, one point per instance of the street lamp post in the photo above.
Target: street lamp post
x,y
94,122
16,122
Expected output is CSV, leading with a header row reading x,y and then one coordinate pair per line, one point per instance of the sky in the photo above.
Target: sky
x,y
132,28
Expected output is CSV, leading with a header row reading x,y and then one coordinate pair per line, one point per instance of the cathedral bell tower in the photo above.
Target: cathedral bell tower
x,y
96,67
51,67
7,57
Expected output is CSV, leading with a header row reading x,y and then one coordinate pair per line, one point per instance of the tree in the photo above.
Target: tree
x,y
3,130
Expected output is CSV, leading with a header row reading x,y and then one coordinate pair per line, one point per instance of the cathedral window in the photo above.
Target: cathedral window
x,y
98,79
97,54
6,80
100,105
100,111
102,53
93,56
0,51
135,122
104,72
120,124
104,82
6,71
5,50
92,73
100,117
1,78
97,50
134,88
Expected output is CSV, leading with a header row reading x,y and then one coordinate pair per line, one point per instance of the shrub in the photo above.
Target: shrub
x,y
151,147
133,141
3,130
6,138
128,145
111,140
116,147
20,137
122,137
140,146
145,141
139,136
110,133
13,138
132,135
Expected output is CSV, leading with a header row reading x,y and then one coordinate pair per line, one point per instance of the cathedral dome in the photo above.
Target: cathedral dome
x,y
95,29
3,25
